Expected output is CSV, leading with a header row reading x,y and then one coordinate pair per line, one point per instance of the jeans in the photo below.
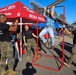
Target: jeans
x,y
51,33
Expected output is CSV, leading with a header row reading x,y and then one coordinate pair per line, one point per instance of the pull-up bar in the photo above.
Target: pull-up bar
x,y
53,4
59,6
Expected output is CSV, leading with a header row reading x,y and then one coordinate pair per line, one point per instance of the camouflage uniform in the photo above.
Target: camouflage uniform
x,y
30,43
0,52
73,55
6,53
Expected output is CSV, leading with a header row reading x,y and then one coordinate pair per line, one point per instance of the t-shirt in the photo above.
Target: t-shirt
x,y
49,22
28,34
74,33
14,37
4,32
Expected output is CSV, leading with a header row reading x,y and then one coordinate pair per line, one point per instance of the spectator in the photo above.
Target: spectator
x,y
29,41
6,47
73,54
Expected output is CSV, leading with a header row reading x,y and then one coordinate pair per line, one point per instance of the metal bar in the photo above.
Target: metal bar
x,y
53,4
58,6
37,34
20,58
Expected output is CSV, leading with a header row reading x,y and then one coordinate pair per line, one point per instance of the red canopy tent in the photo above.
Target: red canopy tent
x,y
19,10
23,13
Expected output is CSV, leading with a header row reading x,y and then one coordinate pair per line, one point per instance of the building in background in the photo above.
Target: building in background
x,y
37,6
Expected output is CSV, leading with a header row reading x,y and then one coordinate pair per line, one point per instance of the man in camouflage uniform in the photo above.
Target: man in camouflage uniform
x,y
73,54
29,41
6,55
6,48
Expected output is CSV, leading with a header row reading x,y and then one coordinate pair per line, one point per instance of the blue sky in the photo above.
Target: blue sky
x,y
70,7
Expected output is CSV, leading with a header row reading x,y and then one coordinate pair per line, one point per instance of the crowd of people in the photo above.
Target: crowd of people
x,y
6,46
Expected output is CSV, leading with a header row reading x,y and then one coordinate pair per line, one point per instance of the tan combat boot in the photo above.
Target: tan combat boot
x,y
36,55
4,72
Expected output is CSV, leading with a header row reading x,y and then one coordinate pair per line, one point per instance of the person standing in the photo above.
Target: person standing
x,y
29,41
49,26
73,54
6,47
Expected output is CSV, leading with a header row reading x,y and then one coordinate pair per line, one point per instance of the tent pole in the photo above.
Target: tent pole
x,y
37,34
20,58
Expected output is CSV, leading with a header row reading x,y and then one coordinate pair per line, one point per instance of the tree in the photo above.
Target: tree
x,y
56,15
74,23
61,16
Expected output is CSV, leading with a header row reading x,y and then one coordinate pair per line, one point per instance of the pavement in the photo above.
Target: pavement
x,y
47,61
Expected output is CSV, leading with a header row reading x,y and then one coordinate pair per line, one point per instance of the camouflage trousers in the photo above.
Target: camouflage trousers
x,y
73,55
6,50
31,43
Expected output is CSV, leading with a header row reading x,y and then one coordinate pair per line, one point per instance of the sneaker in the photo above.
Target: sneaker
x,y
67,65
45,43
17,71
